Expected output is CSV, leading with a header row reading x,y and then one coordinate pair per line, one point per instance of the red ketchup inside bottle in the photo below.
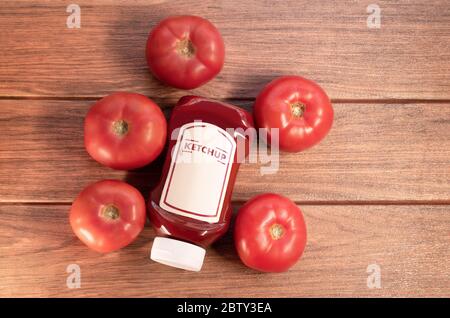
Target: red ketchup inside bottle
x,y
191,206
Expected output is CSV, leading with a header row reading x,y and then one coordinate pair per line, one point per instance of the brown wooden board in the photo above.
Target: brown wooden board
x,y
408,243
374,152
376,191
328,41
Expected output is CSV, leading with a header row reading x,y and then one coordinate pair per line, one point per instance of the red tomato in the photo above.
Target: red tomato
x,y
185,51
108,215
125,131
299,108
270,233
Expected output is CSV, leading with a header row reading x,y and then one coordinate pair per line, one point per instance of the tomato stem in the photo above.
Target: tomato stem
x,y
277,231
298,109
110,212
120,127
185,48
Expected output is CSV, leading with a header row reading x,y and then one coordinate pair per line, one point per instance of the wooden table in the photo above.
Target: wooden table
x,y
375,193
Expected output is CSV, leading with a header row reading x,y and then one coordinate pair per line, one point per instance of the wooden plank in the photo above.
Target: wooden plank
x,y
328,41
374,152
409,243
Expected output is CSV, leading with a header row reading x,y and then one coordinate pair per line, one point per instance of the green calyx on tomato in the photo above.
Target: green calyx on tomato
x,y
277,231
110,212
297,109
186,48
120,127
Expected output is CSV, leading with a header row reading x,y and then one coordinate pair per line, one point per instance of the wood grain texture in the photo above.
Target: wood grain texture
x,y
375,152
409,243
328,41
375,191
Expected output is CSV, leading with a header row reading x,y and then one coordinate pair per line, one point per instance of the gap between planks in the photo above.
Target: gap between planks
x,y
333,101
306,203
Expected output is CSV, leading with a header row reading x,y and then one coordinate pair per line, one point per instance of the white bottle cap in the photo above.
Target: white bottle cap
x,y
177,254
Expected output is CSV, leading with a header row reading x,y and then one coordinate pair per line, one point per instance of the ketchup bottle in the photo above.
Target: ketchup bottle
x,y
191,206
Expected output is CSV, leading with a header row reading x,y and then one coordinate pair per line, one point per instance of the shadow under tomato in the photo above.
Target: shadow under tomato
x,y
127,40
225,245
144,240
146,178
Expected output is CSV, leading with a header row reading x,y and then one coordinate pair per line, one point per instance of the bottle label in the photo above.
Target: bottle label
x,y
197,180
